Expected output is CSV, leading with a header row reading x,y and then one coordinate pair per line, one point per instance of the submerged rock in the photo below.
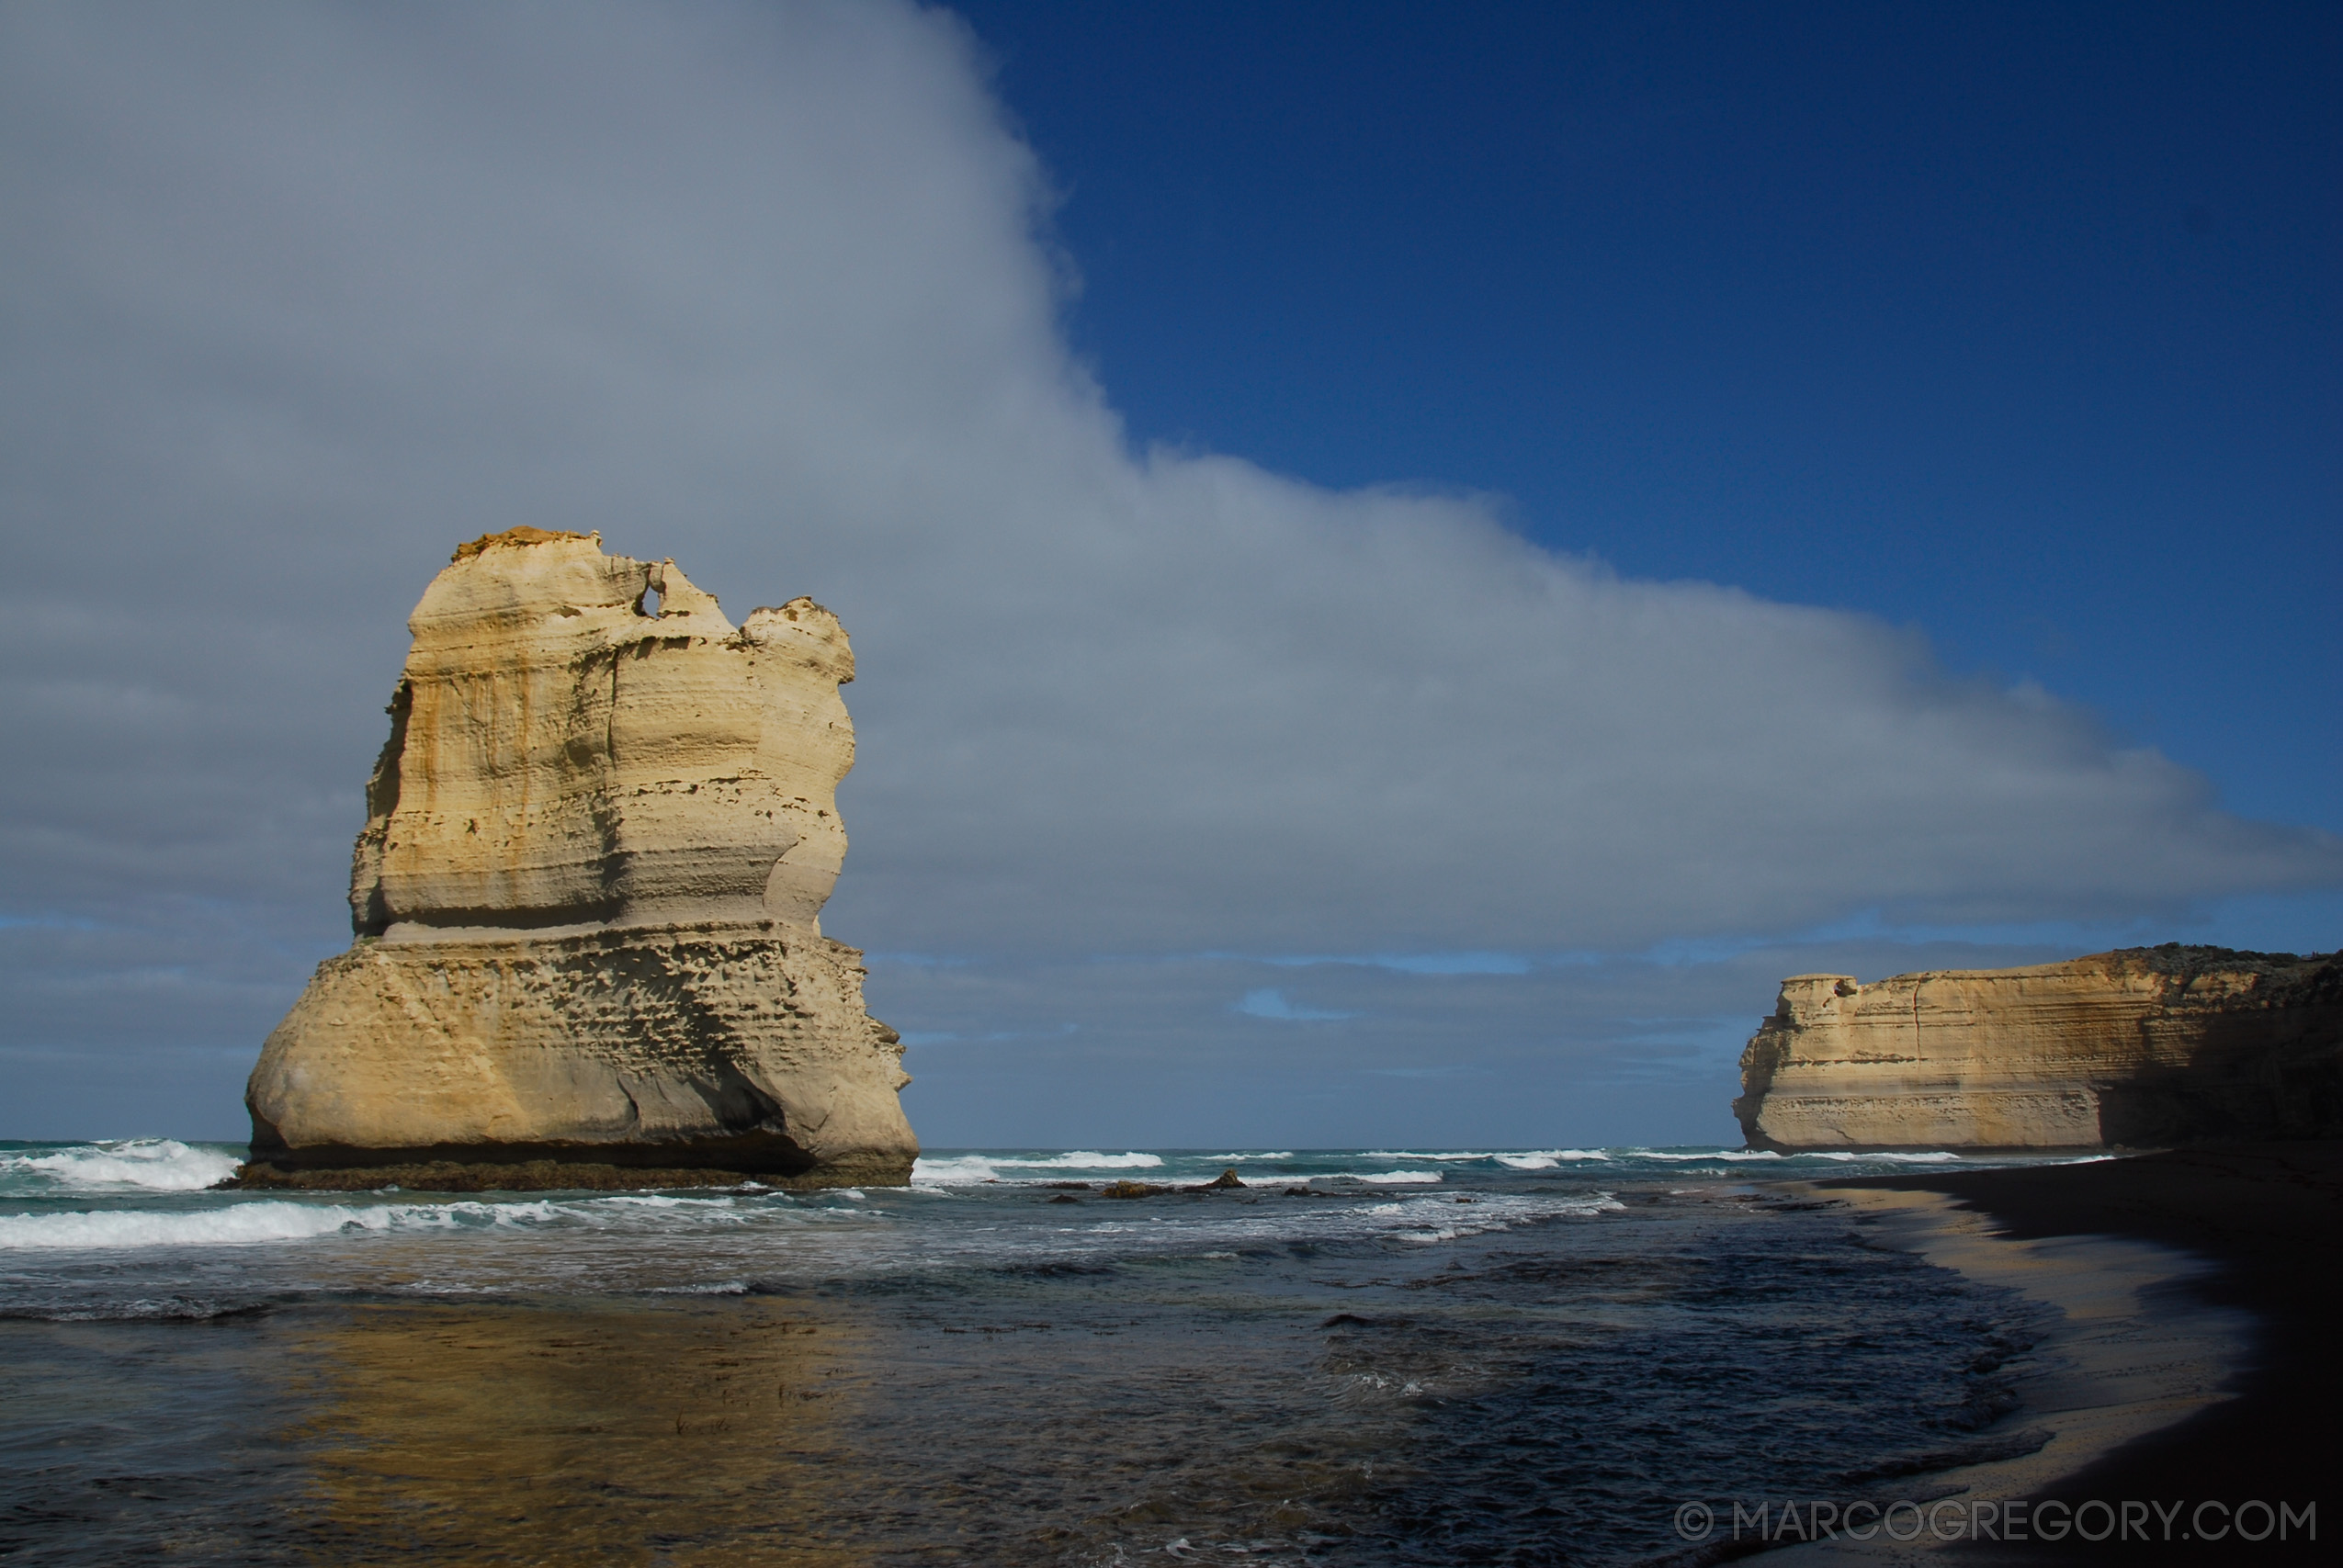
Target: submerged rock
x,y
1128,1190
586,900
2136,1048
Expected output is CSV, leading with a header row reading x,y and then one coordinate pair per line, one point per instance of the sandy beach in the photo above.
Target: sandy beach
x,y
2195,1374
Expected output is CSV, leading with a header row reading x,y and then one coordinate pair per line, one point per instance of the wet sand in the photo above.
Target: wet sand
x,y
2197,1361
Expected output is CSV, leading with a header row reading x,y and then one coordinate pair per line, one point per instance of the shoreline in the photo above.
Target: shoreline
x,y
2199,1286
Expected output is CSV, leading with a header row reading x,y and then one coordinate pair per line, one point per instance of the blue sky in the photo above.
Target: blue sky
x,y
2017,323
1407,563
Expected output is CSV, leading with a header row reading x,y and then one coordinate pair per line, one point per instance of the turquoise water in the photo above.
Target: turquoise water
x,y
1361,1356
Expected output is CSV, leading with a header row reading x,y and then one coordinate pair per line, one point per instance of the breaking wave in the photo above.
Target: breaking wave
x,y
243,1224
1547,1160
150,1165
1411,1154
1934,1156
1711,1157
955,1169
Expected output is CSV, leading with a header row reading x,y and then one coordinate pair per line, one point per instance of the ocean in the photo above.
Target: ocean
x,y
1360,1357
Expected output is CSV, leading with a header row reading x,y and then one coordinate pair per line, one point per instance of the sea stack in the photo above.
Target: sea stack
x,y
2144,1047
586,903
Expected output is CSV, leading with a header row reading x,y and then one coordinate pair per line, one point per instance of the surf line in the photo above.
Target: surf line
x,y
2130,1355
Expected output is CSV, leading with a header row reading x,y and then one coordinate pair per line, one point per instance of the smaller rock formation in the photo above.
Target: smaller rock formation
x,y
1130,1190
2144,1047
587,901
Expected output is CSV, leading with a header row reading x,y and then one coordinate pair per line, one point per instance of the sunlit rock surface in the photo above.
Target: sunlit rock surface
x,y
587,900
2136,1048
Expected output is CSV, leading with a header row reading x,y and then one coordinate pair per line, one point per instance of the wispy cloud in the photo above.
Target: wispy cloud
x,y
1271,1003
1416,962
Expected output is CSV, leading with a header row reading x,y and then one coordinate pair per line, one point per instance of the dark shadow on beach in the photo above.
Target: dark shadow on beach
x,y
2270,1218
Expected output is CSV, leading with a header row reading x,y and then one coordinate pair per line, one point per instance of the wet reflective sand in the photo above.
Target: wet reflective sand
x,y
612,1432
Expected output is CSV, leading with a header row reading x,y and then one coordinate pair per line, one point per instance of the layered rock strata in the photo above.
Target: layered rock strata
x,y
586,902
2137,1048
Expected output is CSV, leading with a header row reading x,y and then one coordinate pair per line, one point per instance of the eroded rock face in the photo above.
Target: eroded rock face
x,y
586,900
2136,1048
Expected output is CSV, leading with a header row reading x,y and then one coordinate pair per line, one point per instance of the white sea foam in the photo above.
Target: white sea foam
x,y
1498,1215
929,1172
1718,1154
1547,1160
1412,1153
1087,1159
720,1211
243,1224
1256,1154
1937,1156
1395,1178
154,1165
962,1170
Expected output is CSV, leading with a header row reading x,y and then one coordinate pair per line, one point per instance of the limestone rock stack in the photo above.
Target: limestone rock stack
x,y
587,901
2137,1048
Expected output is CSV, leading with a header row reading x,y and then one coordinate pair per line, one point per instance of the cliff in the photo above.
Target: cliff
x,y
2136,1048
586,903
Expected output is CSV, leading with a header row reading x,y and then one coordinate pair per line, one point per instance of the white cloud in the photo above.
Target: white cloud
x,y
292,298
